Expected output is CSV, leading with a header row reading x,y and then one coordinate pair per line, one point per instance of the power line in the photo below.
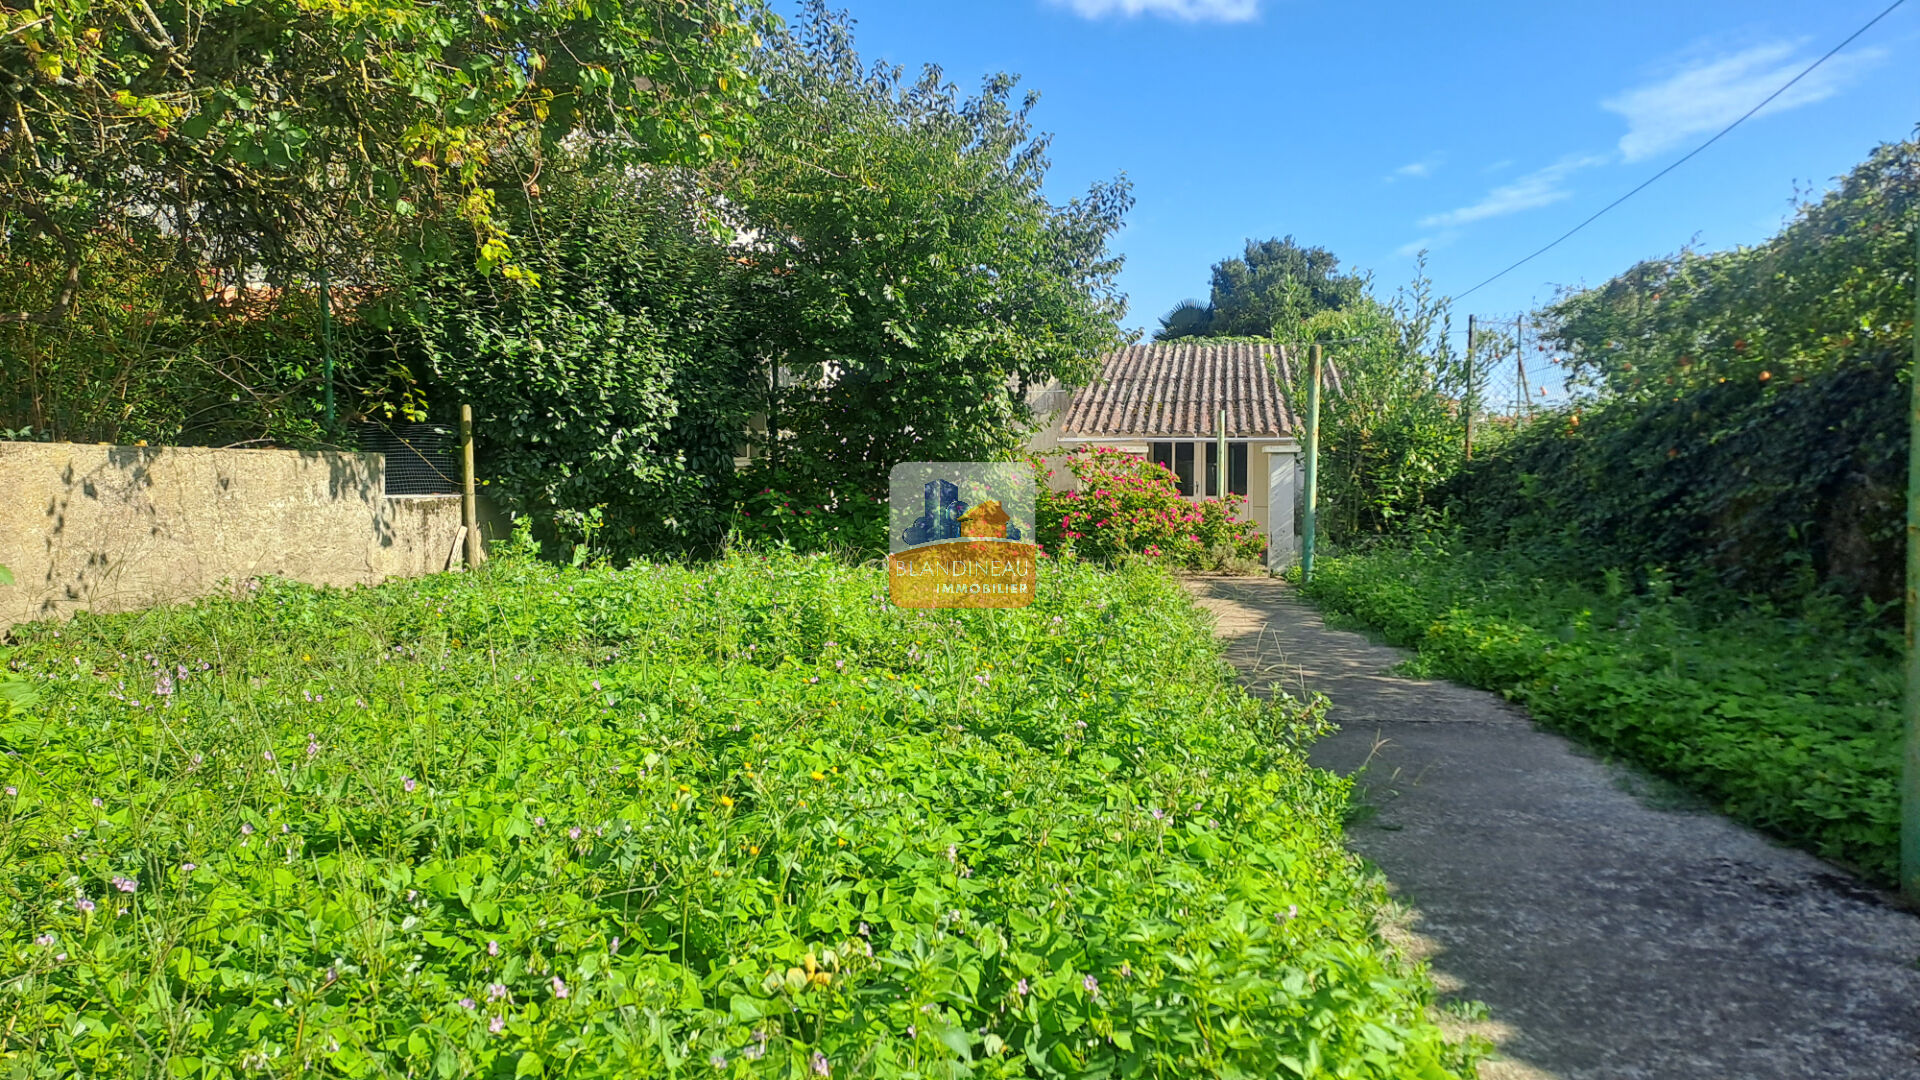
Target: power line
x,y
1690,154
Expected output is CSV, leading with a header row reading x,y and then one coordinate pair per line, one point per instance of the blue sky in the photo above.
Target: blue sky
x,y
1479,132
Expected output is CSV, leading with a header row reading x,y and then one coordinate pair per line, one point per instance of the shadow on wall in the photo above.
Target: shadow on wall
x,y
99,528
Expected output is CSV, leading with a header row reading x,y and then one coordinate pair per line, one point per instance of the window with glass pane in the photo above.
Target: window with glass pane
x,y
1237,468
1162,455
1213,468
1183,466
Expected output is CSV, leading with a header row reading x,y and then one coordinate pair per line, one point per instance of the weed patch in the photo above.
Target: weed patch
x,y
737,820
1791,725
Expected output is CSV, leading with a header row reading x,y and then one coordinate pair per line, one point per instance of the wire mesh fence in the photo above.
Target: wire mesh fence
x,y
1517,375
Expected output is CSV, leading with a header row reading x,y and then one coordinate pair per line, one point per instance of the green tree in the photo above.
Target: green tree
x,y
1389,423
268,133
611,392
1833,285
1266,292
152,150
909,273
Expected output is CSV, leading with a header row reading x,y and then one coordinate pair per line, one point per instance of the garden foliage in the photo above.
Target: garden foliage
x,y
745,820
1747,431
276,135
612,389
1390,418
1124,505
157,160
1791,725
908,272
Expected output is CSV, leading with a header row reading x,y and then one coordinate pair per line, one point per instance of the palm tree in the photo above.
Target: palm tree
x,y
1189,318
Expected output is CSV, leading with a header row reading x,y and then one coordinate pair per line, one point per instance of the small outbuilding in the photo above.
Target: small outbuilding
x,y
1169,403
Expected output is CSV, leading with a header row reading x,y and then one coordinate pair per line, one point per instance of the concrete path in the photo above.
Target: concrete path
x,y
1613,932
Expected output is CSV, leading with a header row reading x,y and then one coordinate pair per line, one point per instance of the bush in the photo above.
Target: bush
x,y
744,820
1746,429
1126,505
808,511
618,383
1788,724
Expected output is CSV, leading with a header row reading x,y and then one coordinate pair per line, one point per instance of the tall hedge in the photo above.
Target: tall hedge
x,y
1743,423
1745,487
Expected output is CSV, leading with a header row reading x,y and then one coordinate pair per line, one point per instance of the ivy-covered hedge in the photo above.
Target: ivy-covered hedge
x,y
1745,427
1776,488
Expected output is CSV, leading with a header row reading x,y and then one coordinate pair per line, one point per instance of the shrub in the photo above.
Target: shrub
x,y
741,820
1126,505
1790,725
808,511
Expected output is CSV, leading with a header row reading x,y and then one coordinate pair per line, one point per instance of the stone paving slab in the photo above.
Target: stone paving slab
x,y
1614,932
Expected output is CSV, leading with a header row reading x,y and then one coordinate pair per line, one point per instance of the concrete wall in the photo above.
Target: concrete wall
x,y
111,528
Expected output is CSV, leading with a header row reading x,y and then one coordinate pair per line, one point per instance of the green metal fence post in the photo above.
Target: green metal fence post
x,y
1910,775
1220,454
1308,525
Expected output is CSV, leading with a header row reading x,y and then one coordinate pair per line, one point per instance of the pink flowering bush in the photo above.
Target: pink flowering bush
x,y
1125,505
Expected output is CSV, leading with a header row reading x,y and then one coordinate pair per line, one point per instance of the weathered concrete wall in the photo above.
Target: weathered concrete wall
x,y
110,528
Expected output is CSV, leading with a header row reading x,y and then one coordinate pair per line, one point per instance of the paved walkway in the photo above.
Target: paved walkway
x,y
1613,933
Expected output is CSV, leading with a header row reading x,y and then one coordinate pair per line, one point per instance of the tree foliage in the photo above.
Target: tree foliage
x,y
1267,292
608,396
1390,428
1834,285
270,135
911,276
1745,428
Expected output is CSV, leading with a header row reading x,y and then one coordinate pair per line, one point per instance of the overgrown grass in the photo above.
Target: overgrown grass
x,y
1788,724
737,820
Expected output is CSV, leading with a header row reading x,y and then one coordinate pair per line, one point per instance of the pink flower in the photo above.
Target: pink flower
x,y
497,1025
821,1066
559,987
126,884
408,783
493,948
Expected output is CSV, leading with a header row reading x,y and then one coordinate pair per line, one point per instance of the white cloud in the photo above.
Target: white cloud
x,y
1187,10
1414,247
1417,170
1536,189
1706,95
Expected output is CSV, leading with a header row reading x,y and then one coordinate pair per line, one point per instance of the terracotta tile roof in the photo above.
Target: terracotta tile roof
x,y
1178,388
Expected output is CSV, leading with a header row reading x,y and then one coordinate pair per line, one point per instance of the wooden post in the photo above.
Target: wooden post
x,y
326,340
1466,397
1520,363
1307,521
469,506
